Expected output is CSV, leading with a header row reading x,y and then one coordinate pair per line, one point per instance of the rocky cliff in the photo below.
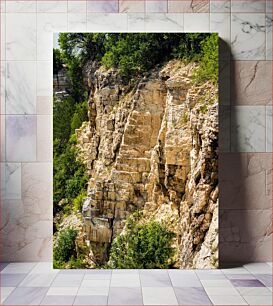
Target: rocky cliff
x,y
152,147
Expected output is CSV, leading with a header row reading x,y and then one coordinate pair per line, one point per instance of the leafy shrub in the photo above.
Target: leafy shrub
x,y
78,201
208,69
143,246
65,247
79,116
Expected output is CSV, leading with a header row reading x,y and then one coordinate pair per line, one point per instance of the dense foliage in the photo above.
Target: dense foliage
x,y
143,246
136,53
65,247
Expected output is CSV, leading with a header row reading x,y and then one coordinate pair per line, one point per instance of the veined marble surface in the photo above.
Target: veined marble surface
x,y
245,29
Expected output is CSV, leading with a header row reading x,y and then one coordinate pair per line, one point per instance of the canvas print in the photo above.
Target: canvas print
x,y
135,150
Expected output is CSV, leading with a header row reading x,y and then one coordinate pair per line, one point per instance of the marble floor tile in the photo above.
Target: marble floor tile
x,y
258,268
248,129
125,296
3,265
212,291
5,292
20,36
72,271
125,280
248,6
11,280
266,279
43,268
161,22
106,22
245,291
131,6
258,299
210,275
20,88
38,280
188,6
58,300
64,281
150,279
88,276
159,296
18,267
198,22
240,276
96,283
124,271
63,291
77,6
102,6
216,283
246,283
248,36
26,296
97,272
86,291
227,300
220,23
52,6
20,138
192,296
44,105
185,281
3,42
90,300
153,6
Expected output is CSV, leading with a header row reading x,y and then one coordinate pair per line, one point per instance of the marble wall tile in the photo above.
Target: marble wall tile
x,y
20,138
3,138
44,105
99,22
243,181
20,36
188,6
164,22
224,129
21,6
248,129
44,78
269,6
3,36
77,22
20,87
220,6
52,6
136,22
3,6
268,128
251,82
224,82
3,88
47,24
131,6
157,6
44,138
196,22
77,6
248,6
245,235
12,174
102,6
268,23
220,23
248,36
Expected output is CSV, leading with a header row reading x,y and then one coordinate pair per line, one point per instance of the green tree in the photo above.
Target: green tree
x,y
143,246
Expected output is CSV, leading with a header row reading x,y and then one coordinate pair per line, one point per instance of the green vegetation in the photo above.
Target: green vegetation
x,y
65,247
143,246
136,53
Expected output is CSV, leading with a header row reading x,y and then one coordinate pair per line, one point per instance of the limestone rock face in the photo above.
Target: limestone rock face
x,y
153,148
